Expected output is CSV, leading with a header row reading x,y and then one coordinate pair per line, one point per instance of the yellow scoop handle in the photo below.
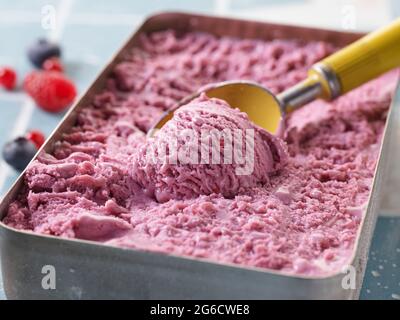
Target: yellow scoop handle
x,y
362,60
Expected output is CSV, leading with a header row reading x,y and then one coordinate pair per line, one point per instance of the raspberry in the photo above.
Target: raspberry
x,y
8,78
51,90
36,137
53,64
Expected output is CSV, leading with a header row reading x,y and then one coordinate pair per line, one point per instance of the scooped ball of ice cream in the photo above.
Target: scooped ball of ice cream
x,y
207,147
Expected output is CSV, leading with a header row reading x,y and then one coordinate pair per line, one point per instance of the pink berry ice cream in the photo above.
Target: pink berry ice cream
x,y
210,148
297,212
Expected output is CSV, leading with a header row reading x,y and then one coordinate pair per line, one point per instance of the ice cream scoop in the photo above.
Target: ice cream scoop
x,y
207,147
335,75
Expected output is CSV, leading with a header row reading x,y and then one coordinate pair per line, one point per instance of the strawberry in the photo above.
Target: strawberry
x,y
51,90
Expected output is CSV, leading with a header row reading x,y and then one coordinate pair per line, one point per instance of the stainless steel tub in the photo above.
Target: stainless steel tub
x,y
87,270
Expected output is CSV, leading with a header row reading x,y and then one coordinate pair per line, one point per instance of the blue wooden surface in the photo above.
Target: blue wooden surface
x,y
90,31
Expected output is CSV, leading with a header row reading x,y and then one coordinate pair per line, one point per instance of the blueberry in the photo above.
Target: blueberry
x,y
41,50
19,152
